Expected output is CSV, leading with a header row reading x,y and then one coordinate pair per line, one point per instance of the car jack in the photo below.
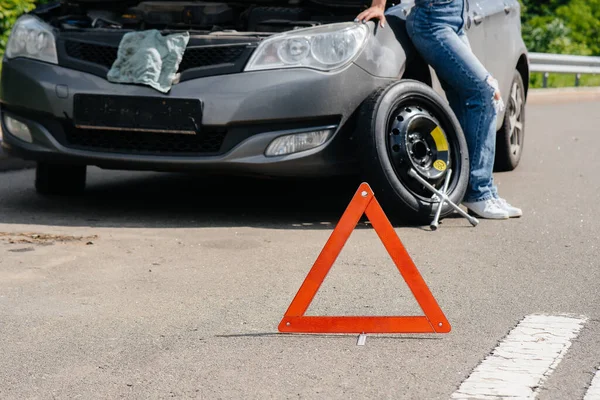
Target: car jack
x,y
442,198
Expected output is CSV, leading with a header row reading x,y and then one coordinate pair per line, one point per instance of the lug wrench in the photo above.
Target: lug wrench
x,y
443,198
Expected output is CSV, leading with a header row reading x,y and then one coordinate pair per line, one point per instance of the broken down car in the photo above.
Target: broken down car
x,y
285,88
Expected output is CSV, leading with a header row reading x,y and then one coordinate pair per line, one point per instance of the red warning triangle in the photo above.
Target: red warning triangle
x,y
364,202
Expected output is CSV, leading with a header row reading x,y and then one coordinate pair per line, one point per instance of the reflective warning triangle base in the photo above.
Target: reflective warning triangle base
x,y
364,202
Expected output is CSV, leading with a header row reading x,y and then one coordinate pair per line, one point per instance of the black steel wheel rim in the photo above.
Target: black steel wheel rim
x,y
420,136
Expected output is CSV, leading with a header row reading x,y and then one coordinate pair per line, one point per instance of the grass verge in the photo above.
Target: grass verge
x,y
563,80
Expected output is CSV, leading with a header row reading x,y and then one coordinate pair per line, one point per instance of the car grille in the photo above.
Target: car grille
x,y
93,53
209,141
194,57
203,57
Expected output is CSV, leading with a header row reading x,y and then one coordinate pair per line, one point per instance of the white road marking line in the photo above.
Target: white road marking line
x,y
523,361
593,392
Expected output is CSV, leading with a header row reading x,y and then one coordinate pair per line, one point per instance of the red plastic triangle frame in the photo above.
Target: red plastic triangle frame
x,y
364,202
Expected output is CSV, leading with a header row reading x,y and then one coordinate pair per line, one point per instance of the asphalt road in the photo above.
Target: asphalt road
x,y
159,286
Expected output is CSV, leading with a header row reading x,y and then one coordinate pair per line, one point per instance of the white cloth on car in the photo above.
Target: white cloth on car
x,y
149,58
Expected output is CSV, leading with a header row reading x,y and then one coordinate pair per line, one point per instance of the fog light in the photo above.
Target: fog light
x,y
18,129
297,142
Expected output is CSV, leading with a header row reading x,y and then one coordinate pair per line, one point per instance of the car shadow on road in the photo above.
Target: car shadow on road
x,y
163,200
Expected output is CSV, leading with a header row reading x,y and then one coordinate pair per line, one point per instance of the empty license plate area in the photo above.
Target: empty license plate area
x,y
145,114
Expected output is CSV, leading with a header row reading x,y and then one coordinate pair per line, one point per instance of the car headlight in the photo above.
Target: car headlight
x,y
324,48
32,38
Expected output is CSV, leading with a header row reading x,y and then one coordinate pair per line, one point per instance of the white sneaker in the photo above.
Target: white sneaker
x,y
511,210
487,209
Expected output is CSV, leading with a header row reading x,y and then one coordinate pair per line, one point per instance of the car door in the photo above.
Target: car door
x,y
501,21
474,28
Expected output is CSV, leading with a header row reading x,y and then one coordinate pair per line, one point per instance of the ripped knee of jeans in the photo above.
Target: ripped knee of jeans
x,y
494,84
496,95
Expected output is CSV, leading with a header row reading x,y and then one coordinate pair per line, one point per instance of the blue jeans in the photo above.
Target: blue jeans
x,y
436,29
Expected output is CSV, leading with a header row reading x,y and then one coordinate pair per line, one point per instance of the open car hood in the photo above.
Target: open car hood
x,y
327,3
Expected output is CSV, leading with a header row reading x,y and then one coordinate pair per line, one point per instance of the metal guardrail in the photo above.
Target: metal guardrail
x,y
563,64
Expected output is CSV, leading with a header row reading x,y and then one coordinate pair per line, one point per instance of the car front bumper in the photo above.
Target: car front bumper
x,y
252,108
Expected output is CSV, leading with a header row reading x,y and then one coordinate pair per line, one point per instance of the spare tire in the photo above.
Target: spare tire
x,y
407,125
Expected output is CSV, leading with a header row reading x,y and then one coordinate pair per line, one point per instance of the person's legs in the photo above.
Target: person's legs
x,y
511,210
435,29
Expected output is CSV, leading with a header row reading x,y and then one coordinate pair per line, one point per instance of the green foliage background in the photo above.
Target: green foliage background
x,y
562,26
549,26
